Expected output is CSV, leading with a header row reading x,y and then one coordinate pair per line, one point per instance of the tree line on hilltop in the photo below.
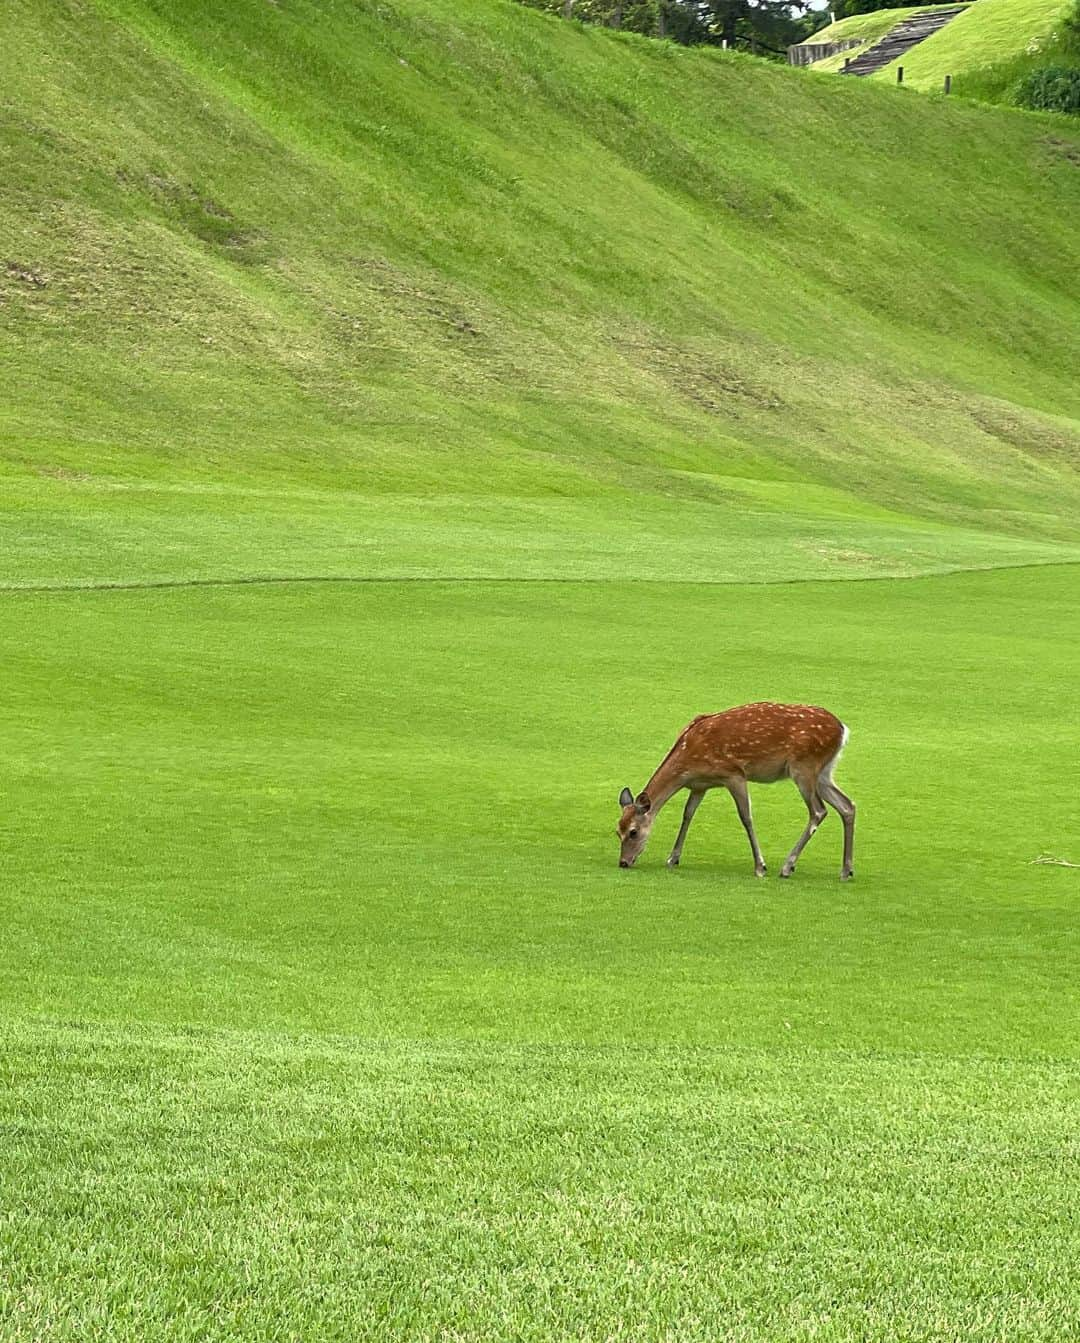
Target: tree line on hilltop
x,y
767,27
1043,76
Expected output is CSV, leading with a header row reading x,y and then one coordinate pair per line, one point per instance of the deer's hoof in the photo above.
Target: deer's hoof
x,y
787,871
673,862
847,876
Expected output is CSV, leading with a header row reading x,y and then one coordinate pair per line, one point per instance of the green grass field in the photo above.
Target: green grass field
x,y
330,1015
414,416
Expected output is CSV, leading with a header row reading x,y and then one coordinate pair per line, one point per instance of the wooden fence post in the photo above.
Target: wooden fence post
x,y
948,83
899,74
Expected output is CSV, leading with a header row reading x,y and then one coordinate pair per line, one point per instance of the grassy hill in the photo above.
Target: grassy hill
x,y
988,35
367,273
327,1013
986,49
866,28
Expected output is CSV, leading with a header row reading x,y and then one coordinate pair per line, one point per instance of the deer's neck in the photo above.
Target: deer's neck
x,y
664,784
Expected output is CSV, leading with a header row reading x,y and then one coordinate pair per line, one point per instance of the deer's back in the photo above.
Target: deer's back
x,y
761,741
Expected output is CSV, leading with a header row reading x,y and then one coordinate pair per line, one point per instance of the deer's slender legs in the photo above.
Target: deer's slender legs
x,y
843,804
816,808
739,791
692,804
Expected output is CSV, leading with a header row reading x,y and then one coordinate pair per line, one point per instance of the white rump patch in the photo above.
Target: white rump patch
x,y
826,773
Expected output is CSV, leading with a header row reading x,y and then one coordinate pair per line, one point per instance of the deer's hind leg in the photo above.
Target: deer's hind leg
x,y
843,804
807,785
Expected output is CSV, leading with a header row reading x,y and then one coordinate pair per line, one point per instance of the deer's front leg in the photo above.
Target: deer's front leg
x,y
739,791
692,804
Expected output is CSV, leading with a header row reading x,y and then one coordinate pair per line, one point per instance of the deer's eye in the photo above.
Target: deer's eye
x,y
633,834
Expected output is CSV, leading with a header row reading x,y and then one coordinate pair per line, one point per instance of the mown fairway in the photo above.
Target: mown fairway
x,y
412,415
330,1014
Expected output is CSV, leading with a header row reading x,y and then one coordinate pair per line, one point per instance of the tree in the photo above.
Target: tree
x,y
844,8
767,27
771,25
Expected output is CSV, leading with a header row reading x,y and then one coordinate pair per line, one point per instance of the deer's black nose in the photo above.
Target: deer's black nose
x,y
623,862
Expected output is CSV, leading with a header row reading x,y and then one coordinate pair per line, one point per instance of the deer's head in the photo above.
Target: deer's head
x,y
634,825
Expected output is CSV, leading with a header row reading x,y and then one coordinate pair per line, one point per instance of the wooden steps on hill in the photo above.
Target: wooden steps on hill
x,y
900,39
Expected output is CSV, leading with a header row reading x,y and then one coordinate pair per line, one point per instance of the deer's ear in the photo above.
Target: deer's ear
x,y
642,804
625,797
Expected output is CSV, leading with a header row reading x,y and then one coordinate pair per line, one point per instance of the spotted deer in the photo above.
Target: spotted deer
x,y
756,743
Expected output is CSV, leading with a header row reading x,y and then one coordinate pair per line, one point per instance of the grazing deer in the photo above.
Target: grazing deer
x,y
756,743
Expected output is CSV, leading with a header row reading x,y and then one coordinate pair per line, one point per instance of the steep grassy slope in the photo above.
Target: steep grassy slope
x,y
377,280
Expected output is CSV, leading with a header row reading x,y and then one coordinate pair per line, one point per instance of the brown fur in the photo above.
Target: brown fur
x,y
763,742
754,743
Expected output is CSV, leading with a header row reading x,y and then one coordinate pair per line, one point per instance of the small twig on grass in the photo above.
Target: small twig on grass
x,y
1057,862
